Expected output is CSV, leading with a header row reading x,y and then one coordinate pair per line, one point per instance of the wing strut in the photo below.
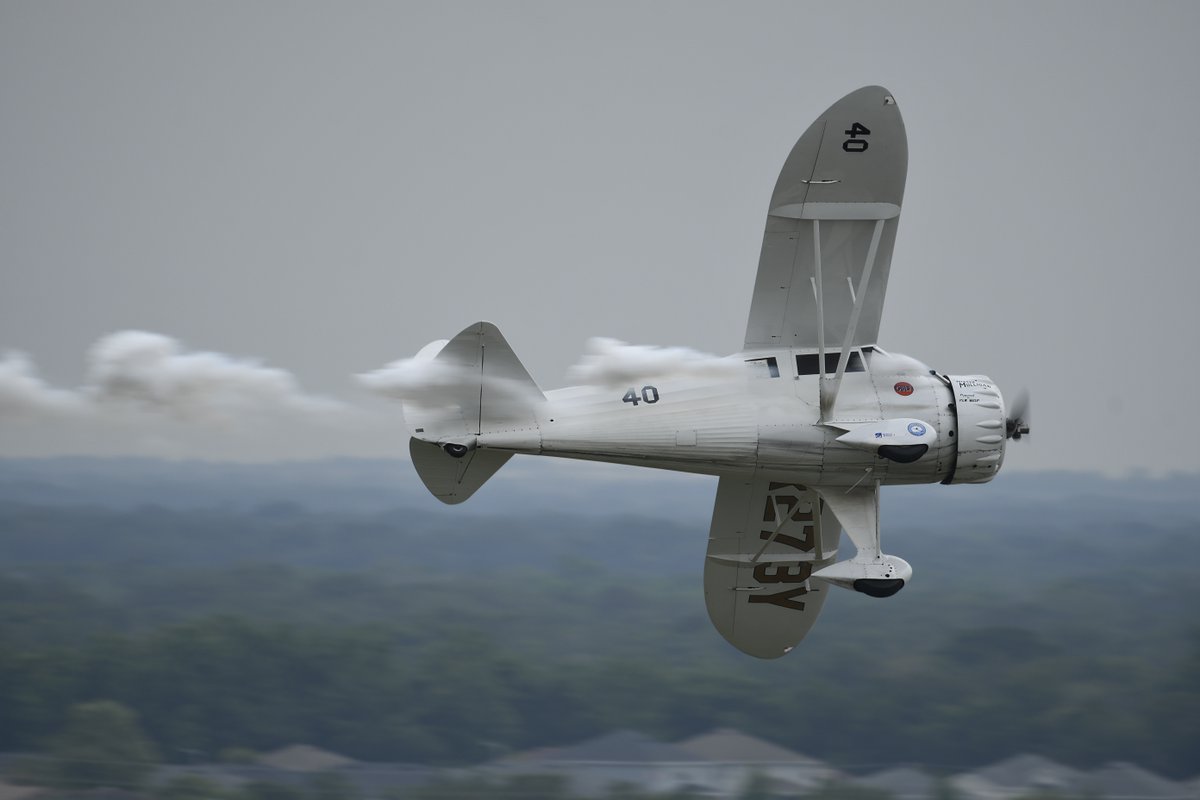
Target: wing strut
x,y
829,395
819,291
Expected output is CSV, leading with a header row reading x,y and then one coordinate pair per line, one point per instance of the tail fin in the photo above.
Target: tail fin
x,y
476,385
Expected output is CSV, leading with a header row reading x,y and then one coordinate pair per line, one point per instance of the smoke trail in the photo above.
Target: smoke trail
x,y
24,393
148,372
152,371
610,362
418,380
422,381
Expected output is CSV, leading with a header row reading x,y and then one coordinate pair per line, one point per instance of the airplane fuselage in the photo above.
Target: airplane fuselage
x,y
765,418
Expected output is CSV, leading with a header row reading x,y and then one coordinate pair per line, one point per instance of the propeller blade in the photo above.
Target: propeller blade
x,y
1017,424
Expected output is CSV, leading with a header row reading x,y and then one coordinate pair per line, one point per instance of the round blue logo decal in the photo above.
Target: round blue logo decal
x,y
916,429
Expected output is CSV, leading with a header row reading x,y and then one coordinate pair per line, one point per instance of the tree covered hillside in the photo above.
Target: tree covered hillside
x,y
1053,614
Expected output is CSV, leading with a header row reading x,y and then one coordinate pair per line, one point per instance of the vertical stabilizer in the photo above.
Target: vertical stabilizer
x,y
475,386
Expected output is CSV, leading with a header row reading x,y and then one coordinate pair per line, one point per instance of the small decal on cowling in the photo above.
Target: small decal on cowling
x,y
916,429
903,388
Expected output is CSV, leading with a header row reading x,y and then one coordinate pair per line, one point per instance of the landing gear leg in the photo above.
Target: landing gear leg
x,y
869,571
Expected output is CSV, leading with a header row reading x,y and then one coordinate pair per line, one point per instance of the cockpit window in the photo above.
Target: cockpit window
x,y
809,363
763,367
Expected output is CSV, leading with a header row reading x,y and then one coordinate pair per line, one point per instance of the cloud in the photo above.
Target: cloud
x,y
610,362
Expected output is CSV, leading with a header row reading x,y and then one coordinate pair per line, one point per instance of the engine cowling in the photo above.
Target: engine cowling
x,y
980,433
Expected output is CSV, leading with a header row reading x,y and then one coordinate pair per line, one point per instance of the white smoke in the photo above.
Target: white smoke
x,y
139,371
430,384
419,380
153,371
24,393
137,375
611,362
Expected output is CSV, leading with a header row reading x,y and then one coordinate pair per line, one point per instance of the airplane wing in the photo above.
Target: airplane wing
x,y
767,537
827,250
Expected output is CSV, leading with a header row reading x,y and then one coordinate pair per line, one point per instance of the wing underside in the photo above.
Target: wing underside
x,y
831,226
767,538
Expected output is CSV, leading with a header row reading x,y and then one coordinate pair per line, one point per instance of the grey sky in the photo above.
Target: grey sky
x,y
327,187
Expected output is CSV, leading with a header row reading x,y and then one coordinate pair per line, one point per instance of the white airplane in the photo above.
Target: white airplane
x,y
812,420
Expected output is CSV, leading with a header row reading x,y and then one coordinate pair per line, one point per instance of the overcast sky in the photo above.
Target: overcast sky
x,y
327,187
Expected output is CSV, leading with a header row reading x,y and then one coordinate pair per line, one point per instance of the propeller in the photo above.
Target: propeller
x,y
1017,424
